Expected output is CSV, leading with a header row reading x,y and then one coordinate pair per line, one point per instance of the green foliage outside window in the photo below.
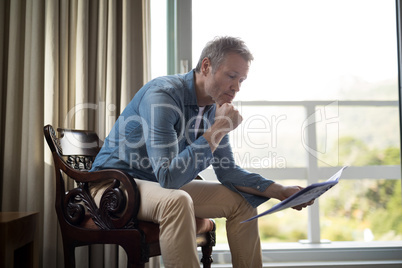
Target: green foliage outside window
x,y
363,210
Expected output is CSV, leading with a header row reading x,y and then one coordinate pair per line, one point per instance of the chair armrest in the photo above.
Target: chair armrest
x,y
119,203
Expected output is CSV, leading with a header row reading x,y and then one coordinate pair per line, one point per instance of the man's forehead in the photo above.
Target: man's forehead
x,y
235,61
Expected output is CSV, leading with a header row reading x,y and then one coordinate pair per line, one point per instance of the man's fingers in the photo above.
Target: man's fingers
x,y
300,207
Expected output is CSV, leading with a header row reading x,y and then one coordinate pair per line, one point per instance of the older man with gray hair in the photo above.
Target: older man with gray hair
x,y
174,128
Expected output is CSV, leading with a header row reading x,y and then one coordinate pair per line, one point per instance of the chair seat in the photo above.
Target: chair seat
x,y
151,231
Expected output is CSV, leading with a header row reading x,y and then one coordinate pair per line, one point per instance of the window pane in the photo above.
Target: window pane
x,y
357,135
372,213
269,137
308,50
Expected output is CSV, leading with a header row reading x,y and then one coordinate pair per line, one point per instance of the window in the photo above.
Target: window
x,y
337,61
322,92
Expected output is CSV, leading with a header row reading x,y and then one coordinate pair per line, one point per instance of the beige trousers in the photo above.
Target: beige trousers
x,y
175,211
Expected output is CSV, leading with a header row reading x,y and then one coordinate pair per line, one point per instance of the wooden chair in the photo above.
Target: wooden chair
x,y
114,221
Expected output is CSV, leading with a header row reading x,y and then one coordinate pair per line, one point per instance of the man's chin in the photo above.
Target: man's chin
x,y
229,102
222,102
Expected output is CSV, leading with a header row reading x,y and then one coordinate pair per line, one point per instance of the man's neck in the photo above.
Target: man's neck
x,y
202,98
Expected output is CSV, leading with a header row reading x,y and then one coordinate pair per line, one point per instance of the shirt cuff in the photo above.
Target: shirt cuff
x,y
253,200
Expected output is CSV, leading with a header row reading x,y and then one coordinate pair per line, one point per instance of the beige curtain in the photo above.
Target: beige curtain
x,y
69,63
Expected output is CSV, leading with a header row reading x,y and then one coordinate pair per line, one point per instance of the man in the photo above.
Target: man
x,y
156,139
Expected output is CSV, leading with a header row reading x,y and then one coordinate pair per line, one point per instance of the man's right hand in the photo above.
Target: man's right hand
x,y
227,118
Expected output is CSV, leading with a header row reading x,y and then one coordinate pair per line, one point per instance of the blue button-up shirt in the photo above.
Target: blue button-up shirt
x,y
154,139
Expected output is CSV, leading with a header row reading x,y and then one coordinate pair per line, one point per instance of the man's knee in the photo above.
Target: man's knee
x,y
245,206
180,201
242,208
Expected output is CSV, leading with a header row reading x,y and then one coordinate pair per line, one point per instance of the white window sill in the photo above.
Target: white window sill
x,y
334,254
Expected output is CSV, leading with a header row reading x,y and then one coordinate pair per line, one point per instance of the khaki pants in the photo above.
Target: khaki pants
x,y
175,211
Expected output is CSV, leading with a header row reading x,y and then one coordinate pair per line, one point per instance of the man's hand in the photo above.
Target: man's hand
x,y
291,190
227,118
281,192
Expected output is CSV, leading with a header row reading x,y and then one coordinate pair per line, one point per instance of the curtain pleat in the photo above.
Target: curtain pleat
x,y
61,38
133,51
100,86
81,65
4,19
72,64
53,98
13,112
92,60
111,58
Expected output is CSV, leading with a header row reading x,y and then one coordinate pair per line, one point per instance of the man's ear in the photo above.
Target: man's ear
x,y
205,66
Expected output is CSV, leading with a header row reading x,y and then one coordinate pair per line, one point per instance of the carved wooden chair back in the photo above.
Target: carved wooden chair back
x,y
114,220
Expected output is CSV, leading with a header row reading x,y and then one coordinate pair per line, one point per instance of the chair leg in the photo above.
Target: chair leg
x,y
69,255
133,261
135,265
206,256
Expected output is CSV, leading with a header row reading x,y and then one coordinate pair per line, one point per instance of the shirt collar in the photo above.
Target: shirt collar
x,y
190,98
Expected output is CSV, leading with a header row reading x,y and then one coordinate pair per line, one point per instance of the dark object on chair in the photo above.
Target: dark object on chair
x,y
115,221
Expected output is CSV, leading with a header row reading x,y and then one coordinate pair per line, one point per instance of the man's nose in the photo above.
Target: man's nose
x,y
236,87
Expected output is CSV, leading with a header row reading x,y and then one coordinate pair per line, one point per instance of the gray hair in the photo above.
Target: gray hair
x,y
217,49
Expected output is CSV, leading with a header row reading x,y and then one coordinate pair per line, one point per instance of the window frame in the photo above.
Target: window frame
x,y
179,24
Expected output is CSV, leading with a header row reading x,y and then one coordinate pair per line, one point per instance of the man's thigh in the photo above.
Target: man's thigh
x,y
212,199
153,200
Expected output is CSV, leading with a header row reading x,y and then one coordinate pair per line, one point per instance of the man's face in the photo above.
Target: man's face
x,y
223,85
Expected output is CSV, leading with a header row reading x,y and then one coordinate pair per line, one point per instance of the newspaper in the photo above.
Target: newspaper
x,y
305,195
